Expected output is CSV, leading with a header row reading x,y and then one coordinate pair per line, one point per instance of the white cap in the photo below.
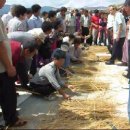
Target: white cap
x,y
66,39
38,33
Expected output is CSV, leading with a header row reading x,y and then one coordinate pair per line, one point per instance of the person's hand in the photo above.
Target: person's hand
x,y
71,86
66,97
11,71
117,39
88,36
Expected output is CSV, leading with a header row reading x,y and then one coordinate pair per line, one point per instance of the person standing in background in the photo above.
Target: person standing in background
x,y
95,26
119,32
35,21
71,22
7,17
18,22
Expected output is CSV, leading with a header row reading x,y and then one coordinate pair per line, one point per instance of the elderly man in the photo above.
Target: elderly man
x,y
119,29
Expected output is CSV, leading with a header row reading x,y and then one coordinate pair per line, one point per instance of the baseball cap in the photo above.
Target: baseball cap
x,y
38,33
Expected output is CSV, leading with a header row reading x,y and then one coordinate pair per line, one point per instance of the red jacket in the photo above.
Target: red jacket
x,y
95,20
16,51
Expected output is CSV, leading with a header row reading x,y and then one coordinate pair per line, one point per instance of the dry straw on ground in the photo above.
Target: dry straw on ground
x,y
86,84
85,114
97,113
90,55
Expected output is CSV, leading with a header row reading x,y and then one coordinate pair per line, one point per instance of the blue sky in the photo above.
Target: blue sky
x,y
67,3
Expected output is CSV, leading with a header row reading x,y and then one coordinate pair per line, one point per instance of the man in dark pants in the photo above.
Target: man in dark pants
x,y
117,50
127,10
119,29
8,98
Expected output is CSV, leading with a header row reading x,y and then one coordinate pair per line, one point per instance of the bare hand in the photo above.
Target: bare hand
x,y
11,71
71,86
67,97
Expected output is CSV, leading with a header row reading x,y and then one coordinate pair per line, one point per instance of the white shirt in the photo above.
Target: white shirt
x,y
6,18
110,21
75,54
86,21
4,38
119,19
16,24
71,20
34,22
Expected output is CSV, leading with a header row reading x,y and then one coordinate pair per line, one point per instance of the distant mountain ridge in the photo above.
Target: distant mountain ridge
x,y
6,9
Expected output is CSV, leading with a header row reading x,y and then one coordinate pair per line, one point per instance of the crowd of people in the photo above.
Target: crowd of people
x,y
36,48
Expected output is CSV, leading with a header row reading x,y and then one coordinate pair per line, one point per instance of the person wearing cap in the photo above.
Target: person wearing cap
x,y
20,53
47,80
76,51
95,26
41,34
119,34
23,37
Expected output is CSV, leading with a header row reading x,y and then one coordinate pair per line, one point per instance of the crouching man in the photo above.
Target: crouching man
x,y
48,80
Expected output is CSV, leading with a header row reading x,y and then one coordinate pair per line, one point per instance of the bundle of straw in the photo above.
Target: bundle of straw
x,y
85,114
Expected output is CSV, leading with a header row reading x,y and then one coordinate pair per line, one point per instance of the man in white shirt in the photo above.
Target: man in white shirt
x,y
119,29
110,28
71,23
86,22
35,21
61,17
7,17
18,23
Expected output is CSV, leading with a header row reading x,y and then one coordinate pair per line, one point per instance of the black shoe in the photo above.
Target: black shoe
x,y
110,63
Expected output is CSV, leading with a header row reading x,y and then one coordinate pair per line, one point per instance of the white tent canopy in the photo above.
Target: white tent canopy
x,y
66,3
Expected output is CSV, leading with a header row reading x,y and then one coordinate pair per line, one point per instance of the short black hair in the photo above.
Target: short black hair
x,y
12,9
77,40
31,45
19,10
63,9
96,11
71,36
35,8
127,3
56,24
59,54
29,11
46,26
51,14
44,13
